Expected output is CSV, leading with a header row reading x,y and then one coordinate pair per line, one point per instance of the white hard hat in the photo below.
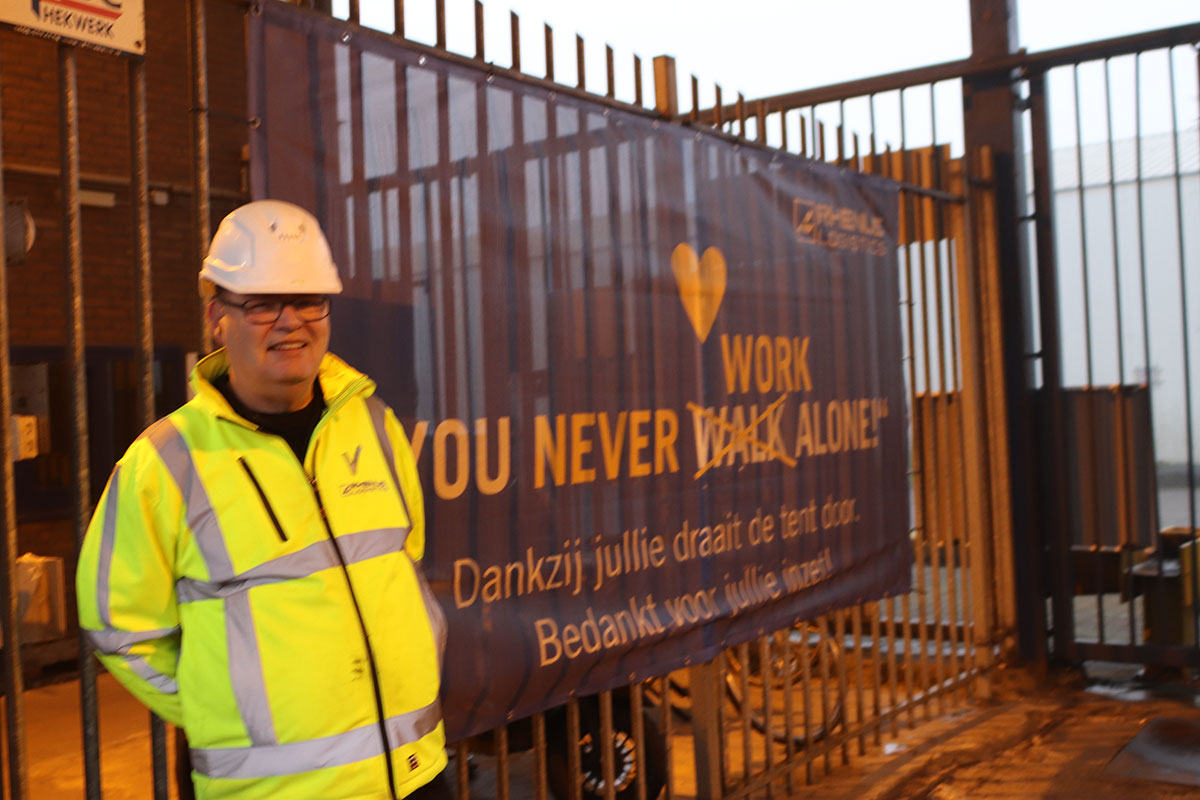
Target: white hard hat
x,y
271,247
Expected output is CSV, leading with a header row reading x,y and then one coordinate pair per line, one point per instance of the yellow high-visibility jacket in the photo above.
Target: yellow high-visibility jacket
x,y
273,609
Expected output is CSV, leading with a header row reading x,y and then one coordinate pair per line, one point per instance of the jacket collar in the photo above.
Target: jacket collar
x,y
339,383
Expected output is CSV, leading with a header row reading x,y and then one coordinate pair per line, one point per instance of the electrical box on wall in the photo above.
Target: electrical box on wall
x,y
31,398
24,436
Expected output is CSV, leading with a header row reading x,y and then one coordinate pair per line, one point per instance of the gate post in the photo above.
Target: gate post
x,y
705,691
991,120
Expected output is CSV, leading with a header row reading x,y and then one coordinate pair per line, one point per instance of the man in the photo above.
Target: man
x,y
251,571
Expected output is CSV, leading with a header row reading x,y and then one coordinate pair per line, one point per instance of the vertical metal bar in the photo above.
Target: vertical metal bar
x,y
440,15
354,15
803,135
1039,126
637,723
928,532
877,670
479,30
718,110
820,145
783,131
919,477
608,769
200,176
539,757
462,763
955,484
704,770
502,772
972,522
1090,512
841,130
943,530
743,654
857,633
695,115
1137,160
806,704
580,64
637,80
1187,362
905,604
609,70
767,666
68,125
574,770
140,190
14,685
398,17
761,117
514,29
839,621
548,35
741,113
1125,515
823,659
784,643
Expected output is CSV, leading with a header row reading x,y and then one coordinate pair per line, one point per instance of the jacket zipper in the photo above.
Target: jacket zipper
x,y
387,750
263,496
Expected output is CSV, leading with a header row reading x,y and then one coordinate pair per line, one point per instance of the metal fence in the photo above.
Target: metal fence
x,y
766,716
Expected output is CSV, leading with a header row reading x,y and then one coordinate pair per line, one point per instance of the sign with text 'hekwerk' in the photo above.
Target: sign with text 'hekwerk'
x,y
652,378
118,25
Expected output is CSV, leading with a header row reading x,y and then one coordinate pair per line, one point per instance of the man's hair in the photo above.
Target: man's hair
x,y
209,290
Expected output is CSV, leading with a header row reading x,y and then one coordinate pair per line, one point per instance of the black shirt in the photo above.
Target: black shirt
x,y
296,427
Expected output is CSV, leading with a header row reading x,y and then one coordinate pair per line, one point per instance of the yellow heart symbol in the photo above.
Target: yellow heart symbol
x,y
701,284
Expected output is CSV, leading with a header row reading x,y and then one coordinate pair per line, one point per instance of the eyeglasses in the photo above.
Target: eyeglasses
x,y
309,308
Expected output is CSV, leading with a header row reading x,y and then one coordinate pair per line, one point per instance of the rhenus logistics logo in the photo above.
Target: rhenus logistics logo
x,y
107,24
838,228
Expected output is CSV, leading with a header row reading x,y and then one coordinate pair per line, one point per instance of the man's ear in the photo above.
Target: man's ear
x,y
214,313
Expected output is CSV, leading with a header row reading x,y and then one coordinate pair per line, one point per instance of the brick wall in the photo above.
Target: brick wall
x,y
29,104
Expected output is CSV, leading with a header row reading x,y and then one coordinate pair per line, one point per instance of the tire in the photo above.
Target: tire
x,y
824,700
625,749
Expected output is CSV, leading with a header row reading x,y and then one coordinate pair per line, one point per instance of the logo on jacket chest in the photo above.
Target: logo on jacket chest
x,y
359,486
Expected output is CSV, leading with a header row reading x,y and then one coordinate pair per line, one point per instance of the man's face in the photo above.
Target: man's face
x,y
271,363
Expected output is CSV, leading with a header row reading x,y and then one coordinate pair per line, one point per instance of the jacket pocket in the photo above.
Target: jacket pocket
x,y
263,496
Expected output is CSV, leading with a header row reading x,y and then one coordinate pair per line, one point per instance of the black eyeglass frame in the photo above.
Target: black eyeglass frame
x,y
320,301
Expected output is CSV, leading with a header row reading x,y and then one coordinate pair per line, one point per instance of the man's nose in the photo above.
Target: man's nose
x,y
289,318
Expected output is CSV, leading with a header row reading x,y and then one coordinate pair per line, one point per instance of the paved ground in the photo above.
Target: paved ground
x,y
1048,740
1030,741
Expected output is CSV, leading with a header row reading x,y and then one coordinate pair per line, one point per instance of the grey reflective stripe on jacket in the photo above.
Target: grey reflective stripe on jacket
x,y
245,662
201,519
107,538
266,761
318,556
110,640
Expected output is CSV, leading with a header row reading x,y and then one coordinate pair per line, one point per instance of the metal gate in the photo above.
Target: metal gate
x,y
1100,259
1115,206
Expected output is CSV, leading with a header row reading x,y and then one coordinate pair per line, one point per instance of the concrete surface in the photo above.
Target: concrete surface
x,y
1031,740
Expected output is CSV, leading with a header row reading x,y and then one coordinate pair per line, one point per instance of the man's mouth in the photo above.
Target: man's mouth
x,y
288,346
